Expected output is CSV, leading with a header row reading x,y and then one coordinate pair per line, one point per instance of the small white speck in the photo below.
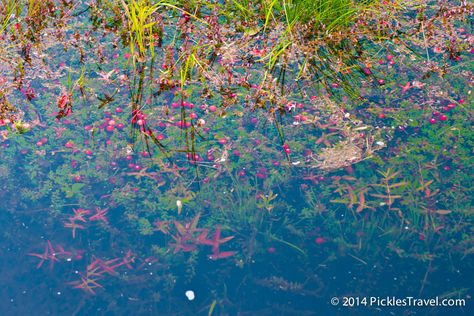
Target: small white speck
x,y
58,293
190,295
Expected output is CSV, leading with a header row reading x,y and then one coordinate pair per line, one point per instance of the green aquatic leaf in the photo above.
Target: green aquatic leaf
x,y
73,190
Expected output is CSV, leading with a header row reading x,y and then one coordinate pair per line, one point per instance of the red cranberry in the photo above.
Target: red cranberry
x,y
381,116
443,117
432,120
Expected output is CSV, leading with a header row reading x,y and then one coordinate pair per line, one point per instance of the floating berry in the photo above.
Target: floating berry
x,y
381,116
432,120
443,117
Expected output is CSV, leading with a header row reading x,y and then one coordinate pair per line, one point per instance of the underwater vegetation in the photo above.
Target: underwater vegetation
x,y
265,155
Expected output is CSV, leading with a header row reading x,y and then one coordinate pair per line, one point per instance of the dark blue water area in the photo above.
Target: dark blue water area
x,y
260,286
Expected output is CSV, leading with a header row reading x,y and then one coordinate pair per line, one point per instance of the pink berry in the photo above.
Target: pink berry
x,y
271,250
212,108
443,117
432,120
319,240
